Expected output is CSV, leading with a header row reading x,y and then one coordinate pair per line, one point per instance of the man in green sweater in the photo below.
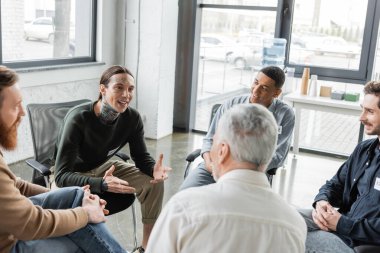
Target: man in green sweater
x,y
93,132
30,219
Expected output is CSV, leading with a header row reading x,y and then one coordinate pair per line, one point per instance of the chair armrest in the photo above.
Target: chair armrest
x,y
367,249
193,155
122,156
272,171
45,171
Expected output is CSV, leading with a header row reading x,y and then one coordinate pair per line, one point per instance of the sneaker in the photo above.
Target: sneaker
x,y
139,250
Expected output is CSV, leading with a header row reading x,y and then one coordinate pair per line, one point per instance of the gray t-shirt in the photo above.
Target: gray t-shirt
x,y
284,116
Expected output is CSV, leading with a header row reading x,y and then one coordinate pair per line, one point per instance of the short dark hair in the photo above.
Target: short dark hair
x,y
111,71
8,77
373,87
276,74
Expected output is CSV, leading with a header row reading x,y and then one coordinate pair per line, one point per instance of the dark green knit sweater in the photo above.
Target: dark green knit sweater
x,y
85,143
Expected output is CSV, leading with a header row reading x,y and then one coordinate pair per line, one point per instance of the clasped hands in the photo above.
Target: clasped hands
x,y
118,185
94,206
325,216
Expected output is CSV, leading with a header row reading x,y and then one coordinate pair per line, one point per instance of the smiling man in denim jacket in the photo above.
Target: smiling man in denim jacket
x,y
354,190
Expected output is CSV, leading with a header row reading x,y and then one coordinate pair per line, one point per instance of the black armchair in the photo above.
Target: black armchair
x,y
45,122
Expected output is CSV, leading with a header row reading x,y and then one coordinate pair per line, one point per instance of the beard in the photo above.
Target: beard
x,y
374,130
8,135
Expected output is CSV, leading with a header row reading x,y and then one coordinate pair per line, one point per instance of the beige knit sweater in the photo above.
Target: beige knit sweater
x,y
21,220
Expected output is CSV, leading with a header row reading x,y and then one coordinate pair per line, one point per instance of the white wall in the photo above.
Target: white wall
x,y
168,51
12,33
156,76
154,60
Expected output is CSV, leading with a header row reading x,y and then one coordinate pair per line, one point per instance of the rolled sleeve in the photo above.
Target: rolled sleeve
x,y
285,118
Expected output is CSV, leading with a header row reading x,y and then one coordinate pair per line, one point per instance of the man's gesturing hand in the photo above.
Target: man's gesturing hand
x,y
115,184
160,171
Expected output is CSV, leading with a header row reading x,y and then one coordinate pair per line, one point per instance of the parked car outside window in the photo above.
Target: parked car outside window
x,y
43,29
219,48
332,45
40,29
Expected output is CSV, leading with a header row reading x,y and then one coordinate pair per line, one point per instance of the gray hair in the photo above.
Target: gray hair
x,y
251,132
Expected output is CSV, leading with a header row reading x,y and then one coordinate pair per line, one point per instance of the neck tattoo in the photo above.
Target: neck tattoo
x,y
107,114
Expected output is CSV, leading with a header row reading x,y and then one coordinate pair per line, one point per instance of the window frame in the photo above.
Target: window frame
x,y
25,64
360,76
196,38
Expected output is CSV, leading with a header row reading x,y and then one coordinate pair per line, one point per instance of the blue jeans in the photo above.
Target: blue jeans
x,y
91,238
319,241
197,177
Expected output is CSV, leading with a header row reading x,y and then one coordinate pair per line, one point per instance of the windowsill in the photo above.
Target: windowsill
x,y
58,67
55,74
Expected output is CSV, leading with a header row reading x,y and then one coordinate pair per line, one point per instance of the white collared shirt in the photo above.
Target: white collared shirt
x,y
239,213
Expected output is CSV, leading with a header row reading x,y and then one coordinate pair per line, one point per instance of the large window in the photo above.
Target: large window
x,y
324,37
333,38
336,39
46,32
230,50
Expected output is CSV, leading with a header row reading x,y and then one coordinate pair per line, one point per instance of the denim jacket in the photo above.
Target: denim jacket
x,y
360,220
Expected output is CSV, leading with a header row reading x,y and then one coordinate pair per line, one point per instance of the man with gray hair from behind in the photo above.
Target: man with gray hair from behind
x,y
240,213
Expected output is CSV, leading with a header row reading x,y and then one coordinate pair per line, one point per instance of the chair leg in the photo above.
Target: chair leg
x,y
186,170
133,207
47,181
270,178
